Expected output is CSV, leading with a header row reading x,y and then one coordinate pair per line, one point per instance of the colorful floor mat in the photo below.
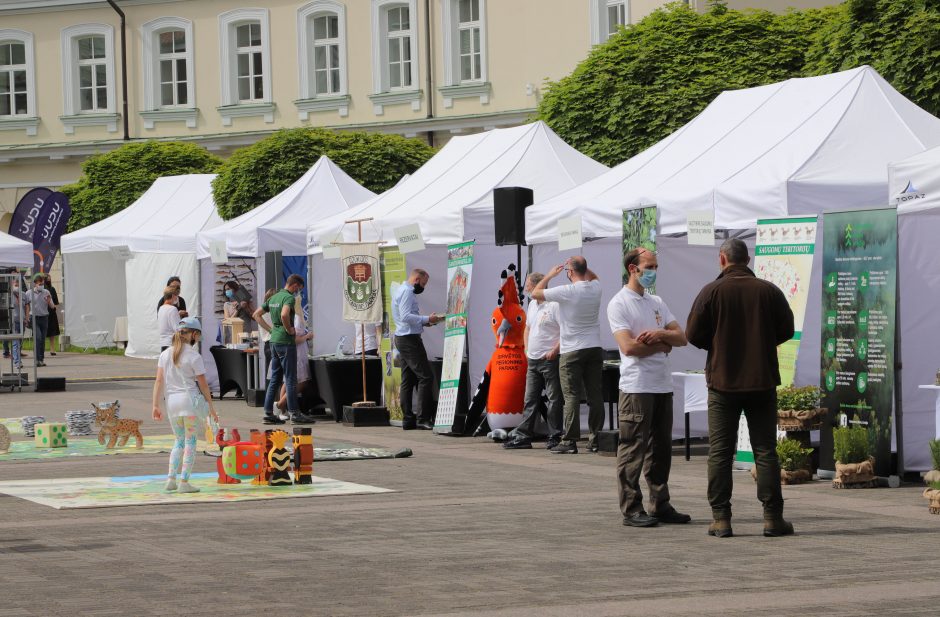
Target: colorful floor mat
x,y
14,425
72,493
89,446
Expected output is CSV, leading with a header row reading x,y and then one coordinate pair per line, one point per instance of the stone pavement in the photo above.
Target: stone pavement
x,y
472,530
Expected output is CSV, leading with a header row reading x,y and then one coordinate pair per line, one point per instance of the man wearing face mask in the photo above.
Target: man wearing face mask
x,y
415,368
38,305
645,331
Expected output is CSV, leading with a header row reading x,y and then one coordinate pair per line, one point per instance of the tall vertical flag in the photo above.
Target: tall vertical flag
x,y
40,218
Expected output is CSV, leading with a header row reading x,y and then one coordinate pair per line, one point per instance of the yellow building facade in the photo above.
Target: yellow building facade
x,y
224,73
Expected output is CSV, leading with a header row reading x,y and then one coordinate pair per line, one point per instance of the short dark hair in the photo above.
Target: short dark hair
x,y
173,279
633,257
735,251
578,264
230,285
295,279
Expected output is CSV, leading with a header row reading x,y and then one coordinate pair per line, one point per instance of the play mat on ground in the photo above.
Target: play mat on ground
x,y
157,444
104,492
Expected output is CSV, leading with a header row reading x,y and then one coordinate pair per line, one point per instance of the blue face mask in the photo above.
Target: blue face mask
x,y
229,294
647,278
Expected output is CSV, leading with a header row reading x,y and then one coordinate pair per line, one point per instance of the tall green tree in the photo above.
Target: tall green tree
x,y
899,38
254,174
654,76
111,181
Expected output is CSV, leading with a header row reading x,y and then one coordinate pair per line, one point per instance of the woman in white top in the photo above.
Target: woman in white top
x,y
181,381
167,318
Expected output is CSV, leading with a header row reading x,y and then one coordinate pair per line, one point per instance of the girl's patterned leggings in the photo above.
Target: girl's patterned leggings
x,y
184,450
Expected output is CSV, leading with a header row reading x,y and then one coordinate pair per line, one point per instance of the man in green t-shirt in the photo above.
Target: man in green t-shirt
x,y
283,352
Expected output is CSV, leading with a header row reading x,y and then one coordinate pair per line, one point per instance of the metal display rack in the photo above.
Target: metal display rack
x,y
11,324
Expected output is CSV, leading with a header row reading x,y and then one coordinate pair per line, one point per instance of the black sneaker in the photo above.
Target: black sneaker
x,y
640,519
299,418
269,419
519,443
593,448
672,517
552,442
565,448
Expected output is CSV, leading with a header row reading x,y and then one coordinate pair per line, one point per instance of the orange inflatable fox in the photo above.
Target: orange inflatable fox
x,y
503,385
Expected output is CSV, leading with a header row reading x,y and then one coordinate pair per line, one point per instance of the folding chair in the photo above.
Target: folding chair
x,y
99,338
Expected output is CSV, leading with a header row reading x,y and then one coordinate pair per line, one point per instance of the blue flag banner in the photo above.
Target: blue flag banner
x,y
26,214
51,224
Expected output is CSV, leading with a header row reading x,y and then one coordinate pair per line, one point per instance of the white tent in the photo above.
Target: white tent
x,y
160,231
801,146
15,252
450,198
914,185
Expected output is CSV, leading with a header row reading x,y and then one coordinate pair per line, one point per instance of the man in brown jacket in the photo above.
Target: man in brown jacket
x,y
740,320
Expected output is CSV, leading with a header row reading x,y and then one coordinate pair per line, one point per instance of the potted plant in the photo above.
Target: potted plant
x,y
932,478
798,409
855,468
794,462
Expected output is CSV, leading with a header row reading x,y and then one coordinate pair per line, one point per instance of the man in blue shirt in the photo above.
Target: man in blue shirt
x,y
415,368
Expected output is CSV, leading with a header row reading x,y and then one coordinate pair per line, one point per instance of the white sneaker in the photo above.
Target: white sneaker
x,y
186,487
283,416
170,485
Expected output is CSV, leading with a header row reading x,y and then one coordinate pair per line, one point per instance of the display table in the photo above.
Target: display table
x,y
119,335
690,403
936,390
339,381
232,366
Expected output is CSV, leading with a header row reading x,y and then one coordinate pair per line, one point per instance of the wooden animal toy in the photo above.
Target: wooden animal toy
x,y
225,437
279,459
262,439
115,428
303,455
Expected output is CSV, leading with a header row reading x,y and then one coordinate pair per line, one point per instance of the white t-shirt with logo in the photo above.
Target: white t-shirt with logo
x,y
542,321
181,379
629,310
372,341
578,314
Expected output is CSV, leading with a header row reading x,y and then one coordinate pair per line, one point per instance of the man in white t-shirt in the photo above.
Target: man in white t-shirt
x,y
646,332
581,363
373,338
542,341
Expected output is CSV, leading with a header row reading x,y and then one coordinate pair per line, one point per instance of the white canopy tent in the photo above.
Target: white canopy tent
x,y
914,185
14,251
801,146
451,199
160,231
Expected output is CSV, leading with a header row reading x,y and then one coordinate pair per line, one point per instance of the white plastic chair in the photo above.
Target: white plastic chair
x,y
99,338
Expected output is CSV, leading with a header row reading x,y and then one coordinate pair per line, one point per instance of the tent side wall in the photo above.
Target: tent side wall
x,y
146,277
94,285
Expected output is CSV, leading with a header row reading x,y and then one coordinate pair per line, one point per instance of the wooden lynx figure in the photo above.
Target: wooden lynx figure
x,y
113,427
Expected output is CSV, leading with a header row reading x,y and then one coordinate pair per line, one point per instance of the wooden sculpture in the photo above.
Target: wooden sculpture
x,y
303,456
263,439
225,437
115,428
279,459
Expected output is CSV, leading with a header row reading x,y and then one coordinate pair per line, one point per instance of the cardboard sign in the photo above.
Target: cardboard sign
x,y
330,250
701,227
569,233
409,238
121,253
218,252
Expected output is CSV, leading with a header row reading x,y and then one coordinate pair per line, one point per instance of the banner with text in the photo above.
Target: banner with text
x,y
361,286
393,273
859,297
783,255
459,271
639,231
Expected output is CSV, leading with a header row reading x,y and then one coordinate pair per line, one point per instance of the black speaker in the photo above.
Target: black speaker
x,y
509,204
50,384
273,270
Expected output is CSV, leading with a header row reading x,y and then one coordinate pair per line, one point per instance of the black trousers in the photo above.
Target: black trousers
x,y
415,374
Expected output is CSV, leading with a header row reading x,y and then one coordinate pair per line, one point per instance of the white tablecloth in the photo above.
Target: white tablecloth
x,y
690,396
936,390
119,335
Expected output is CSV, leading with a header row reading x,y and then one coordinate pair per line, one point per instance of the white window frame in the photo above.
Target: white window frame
x,y
599,23
73,115
154,110
231,107
380,74
453,87
29,120
310,100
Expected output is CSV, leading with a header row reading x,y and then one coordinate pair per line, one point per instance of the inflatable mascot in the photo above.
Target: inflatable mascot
x,y
503,385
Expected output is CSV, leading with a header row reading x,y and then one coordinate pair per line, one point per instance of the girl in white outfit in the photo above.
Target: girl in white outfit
x,y
181,381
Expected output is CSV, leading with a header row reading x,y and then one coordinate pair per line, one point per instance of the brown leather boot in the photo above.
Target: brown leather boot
x,y
720,528
775,526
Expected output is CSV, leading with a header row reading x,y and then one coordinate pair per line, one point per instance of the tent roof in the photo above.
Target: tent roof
x,y
450,196
14,251
281,222
914,183
799,146
165,219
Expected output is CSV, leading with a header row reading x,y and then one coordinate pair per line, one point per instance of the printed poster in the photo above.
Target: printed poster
x,y
859,298
639,231
459,271
783,255
393,273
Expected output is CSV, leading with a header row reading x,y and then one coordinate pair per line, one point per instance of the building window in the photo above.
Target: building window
x,y
13,85
326,55
169,89
468,28
88,76
246,57
174,86
395,46
321,30
607,17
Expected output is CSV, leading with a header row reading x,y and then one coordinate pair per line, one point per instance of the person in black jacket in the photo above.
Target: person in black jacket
x,y
740,320
174,281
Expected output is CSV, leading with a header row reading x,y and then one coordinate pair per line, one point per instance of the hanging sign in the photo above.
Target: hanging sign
x,y
459,272
701,227
330,250
409,238
859,296
569,233
362,291
218,252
